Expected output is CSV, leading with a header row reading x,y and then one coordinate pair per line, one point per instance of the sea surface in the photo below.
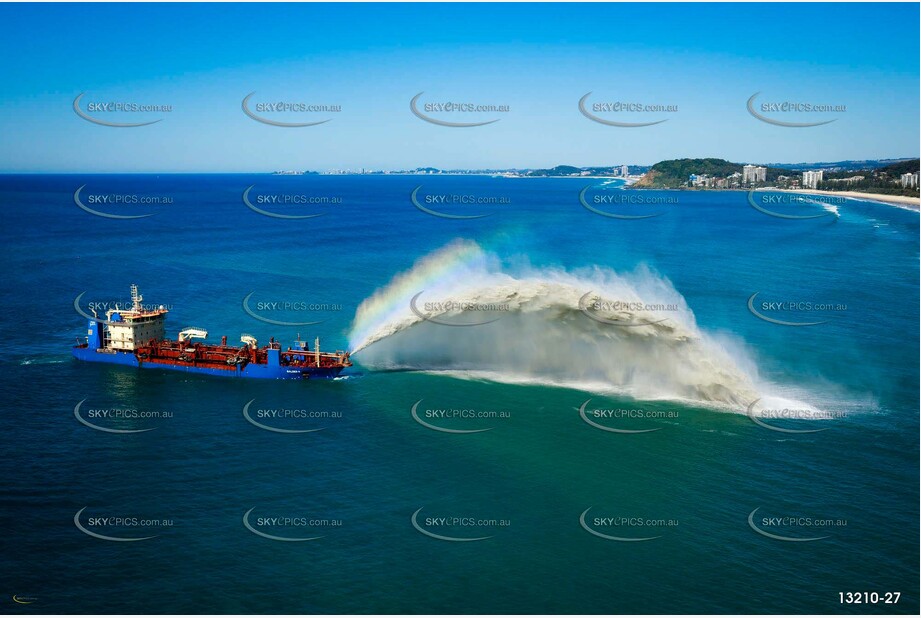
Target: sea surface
x,y
769,467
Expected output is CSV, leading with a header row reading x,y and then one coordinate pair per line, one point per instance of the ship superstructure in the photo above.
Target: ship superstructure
x,y
136,337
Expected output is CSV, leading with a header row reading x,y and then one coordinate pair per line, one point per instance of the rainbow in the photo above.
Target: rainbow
x,y
444,269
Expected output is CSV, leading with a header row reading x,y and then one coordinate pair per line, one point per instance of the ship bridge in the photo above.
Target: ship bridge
x,y
127,328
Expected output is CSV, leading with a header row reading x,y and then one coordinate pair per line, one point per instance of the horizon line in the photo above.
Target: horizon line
x,y
456,169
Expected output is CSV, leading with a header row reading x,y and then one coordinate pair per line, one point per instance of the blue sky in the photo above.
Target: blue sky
x,y
371,59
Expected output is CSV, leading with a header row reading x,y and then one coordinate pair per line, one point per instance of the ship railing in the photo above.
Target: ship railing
x,y
312,353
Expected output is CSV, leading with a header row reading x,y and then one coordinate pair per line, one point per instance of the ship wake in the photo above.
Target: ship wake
x,y
462,310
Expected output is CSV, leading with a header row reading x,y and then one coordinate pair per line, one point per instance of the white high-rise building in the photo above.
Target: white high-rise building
x,y
753,173
624,171
910,180
812,179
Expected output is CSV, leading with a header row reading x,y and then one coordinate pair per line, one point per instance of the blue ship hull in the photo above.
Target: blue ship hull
x,y
268,371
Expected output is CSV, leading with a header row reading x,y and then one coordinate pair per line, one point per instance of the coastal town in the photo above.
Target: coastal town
x,y
887,179
700,174
753,176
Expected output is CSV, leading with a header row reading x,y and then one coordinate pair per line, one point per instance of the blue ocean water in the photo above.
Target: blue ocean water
x,y
700,483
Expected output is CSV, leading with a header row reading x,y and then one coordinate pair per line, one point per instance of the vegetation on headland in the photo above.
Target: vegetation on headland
x,y
723,174
674,173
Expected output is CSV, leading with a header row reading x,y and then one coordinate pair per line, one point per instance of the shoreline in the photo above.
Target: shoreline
x,y
901,201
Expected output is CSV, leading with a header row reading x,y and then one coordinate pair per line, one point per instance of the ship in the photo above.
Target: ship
x,y
136,337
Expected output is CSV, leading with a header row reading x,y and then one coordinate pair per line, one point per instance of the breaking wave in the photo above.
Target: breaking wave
x,y
461,310
832,208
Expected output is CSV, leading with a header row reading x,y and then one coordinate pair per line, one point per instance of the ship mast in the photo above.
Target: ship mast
x,y
136,298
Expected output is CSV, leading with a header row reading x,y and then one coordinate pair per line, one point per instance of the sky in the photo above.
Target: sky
x,y
370,60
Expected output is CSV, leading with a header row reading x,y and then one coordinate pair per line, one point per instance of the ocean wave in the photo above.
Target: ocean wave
x,y
832,208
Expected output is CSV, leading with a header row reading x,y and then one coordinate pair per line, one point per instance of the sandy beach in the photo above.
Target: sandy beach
x,y
911,203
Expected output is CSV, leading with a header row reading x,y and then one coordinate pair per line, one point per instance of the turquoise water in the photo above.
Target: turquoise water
x,y
692,483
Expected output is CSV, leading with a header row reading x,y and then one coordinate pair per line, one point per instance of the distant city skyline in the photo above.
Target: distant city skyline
x,y
751,172
374,84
